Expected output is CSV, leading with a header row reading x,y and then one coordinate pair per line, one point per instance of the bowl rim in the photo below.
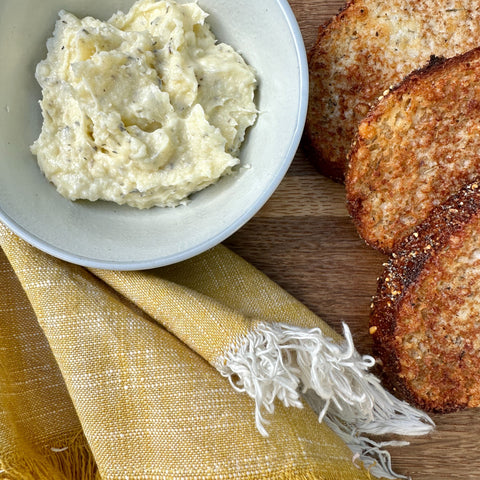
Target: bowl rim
x,y
222,235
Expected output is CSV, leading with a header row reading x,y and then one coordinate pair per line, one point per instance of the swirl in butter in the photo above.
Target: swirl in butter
x,y
143,109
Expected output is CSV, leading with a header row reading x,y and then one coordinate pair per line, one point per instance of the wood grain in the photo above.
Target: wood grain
x,y
304,239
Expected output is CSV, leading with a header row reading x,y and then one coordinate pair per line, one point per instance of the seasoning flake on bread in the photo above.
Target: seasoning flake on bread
x,y
368,47
419,145
425,318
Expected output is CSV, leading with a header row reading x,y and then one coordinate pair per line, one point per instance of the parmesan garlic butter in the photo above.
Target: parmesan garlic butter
x,y
143,109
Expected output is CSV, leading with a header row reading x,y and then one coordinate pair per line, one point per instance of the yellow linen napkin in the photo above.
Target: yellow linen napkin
x,y
123,382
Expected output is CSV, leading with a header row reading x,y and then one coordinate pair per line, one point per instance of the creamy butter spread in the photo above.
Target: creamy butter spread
x,y
143,109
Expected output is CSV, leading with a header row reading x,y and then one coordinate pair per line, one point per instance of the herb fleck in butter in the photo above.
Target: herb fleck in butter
x,y
125,119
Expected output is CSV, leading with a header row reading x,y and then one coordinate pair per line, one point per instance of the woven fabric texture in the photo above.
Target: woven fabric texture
x,y
109,374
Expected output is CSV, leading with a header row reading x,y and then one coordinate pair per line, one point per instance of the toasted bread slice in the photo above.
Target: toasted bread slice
x,y
368,47
425,318
418,146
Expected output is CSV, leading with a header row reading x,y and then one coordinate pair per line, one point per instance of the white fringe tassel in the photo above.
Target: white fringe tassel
x,y
279,361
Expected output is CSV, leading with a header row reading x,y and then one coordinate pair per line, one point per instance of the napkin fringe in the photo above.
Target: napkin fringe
x,y
63,463
280,361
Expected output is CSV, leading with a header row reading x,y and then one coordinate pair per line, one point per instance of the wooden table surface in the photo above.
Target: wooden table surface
x,y
304,240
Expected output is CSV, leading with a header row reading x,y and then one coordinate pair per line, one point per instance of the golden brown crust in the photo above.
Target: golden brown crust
x,y
326,159
368,47
425,318
419,145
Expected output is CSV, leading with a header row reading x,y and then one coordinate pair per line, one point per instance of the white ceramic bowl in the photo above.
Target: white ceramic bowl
x,y
103,234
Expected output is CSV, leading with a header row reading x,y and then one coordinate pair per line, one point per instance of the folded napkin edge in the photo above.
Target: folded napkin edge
x,y
72,458
277,361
